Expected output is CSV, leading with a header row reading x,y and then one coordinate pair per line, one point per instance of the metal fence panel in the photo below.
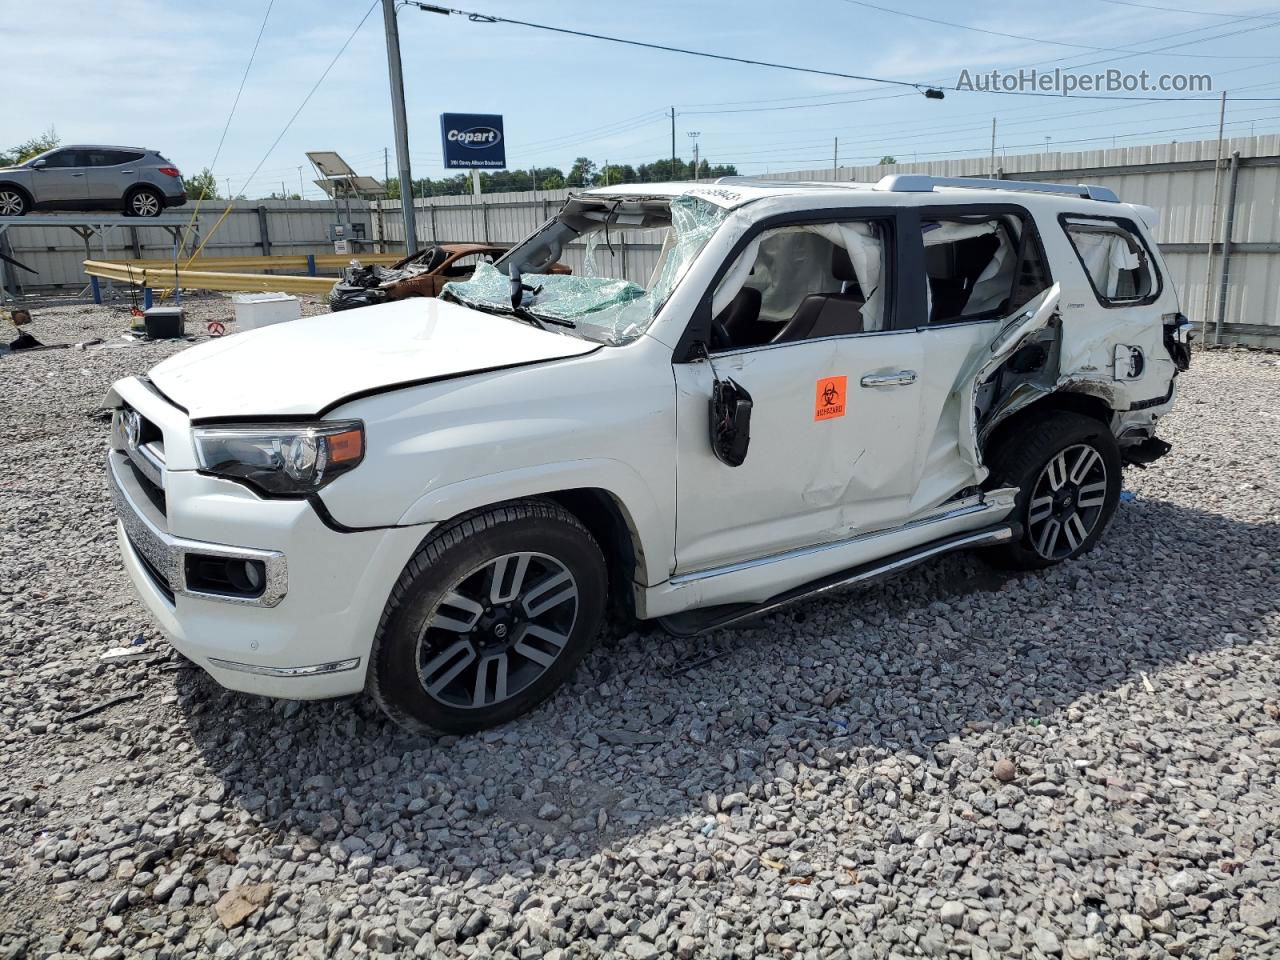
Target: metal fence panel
x,y
1175,178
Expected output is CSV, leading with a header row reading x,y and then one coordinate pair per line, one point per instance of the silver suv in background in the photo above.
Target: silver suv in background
x,y
140,182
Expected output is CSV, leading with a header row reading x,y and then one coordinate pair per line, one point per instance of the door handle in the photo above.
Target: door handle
x,y
900,379
77,174
125,173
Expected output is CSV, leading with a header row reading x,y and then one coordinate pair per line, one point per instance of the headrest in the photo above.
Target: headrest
x,y
841,265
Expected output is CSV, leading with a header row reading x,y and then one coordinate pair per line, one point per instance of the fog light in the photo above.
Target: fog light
x,y
225,576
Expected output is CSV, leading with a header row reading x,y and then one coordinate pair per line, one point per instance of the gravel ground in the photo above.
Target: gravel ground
x,y
1076,763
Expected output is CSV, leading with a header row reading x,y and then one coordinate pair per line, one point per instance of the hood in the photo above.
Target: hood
x,y
308,366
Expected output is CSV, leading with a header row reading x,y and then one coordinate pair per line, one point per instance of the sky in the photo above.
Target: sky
x,y
164,74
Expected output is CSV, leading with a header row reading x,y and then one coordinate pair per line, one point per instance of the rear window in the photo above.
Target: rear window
x,y
109,158
1115,257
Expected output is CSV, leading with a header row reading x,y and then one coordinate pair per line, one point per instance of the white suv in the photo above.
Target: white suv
x,y
436,500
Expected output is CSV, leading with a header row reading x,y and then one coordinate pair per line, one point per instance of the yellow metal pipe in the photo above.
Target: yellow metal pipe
x,y
326,260
162,278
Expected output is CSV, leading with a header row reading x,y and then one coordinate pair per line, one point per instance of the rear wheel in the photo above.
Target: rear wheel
x,y
13,202
1066,467
144,202
488,619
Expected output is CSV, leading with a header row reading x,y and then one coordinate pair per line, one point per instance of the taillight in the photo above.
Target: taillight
x,y
171,171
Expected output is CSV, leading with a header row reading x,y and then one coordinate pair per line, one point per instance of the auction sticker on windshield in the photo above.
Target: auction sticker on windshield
x,y
829,400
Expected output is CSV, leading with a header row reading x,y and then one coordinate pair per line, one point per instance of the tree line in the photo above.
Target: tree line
x,y
583,173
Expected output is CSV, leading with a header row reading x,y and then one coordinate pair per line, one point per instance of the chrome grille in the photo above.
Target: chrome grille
x,y
143,443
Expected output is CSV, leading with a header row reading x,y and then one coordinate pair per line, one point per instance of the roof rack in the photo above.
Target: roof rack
x,y
748,181
922,183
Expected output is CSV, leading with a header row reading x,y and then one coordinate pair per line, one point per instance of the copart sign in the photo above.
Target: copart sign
x,y
473,140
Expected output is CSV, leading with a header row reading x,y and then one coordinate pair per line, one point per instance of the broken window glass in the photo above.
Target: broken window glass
x,y
602,301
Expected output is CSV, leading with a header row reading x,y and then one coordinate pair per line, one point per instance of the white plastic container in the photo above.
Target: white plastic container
x,y
255,310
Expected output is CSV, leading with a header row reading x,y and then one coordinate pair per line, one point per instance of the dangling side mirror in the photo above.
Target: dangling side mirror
x,y
730,421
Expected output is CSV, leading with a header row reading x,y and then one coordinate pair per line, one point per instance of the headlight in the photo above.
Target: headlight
x,y
281,459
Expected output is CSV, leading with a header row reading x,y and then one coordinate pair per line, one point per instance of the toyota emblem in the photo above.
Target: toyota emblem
x,y
132,425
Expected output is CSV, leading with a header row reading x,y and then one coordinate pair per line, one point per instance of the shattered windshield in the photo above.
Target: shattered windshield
x,y
626,254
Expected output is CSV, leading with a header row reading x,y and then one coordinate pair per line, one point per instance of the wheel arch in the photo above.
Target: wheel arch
x,y
13,184
138,185
610,498
607,520
1071,400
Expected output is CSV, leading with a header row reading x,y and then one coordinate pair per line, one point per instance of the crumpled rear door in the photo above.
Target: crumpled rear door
x,y
1019,331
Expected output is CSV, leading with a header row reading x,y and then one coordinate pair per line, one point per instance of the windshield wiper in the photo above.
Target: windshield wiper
x,y
540,320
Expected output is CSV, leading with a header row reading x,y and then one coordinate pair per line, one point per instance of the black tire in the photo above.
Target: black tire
x,y
14,202
144,202
1022,458
447,566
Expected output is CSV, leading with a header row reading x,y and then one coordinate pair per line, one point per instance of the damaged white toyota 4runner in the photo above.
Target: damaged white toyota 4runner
x,y
435,500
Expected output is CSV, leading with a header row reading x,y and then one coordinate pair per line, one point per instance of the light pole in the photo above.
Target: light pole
x,y
693,135
401,122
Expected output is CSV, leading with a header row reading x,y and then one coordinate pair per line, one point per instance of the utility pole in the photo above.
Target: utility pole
x,y
673,143
284,194
301,190
396,77
993,147
835,158
386,167
229,197
1213,225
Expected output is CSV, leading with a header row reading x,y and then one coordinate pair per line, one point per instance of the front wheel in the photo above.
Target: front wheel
x,y
144,202
488,619
1066,467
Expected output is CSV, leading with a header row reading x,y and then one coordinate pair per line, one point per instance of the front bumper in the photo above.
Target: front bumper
x,y
309,635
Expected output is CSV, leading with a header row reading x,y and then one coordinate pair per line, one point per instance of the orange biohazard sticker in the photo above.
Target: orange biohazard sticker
x,y
829,400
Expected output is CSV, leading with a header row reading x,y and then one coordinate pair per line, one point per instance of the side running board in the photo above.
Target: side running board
x,y
690,623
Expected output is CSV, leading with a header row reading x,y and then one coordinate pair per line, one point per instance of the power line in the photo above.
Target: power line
x,y
195,212
979,150
933,91
1200,13
489,18
938,83
310,93
897,139
1217,36
1056,43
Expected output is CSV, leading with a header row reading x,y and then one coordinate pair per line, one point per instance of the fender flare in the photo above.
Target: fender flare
x,y
654,535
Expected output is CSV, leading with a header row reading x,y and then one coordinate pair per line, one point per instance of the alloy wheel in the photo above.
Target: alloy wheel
x,y
497,630
11,203
145,204
1067,501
